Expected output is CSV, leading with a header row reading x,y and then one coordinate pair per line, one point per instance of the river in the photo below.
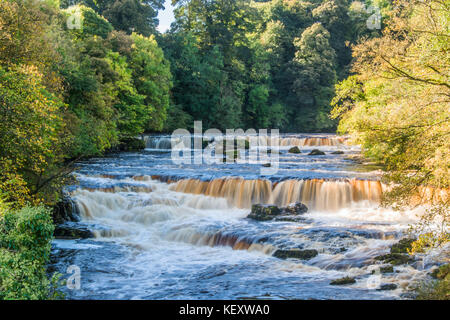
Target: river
x,y
179,231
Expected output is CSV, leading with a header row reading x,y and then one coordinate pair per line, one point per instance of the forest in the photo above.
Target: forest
x,y
82,78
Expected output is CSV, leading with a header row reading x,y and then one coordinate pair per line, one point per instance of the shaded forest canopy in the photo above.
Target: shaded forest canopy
x,y
260,64
79,77
249,64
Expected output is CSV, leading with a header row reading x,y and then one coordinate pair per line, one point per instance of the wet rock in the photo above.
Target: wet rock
x,y
387,286
270,151
267,165
342,281
72,230
65,210
291,218
395,258
316,152
402,246
294,150
387,269
296,208
442,272
338,152
263,212
296,254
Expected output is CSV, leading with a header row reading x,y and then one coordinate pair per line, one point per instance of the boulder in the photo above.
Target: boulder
x,y
387,286
294,150
267,165
72,230
296,254
342,281
338,152
266,212
402,246
316,152
387,269
65,210
263,212
295,208
395,258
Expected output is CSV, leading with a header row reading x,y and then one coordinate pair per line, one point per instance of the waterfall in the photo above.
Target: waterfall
x,y
158,142
165,143
317,194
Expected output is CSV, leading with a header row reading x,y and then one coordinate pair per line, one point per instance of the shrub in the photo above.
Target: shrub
x,y
25,242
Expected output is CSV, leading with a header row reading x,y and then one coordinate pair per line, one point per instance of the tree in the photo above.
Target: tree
x,y
152,78
397,105
126,15
31,135
333,14
314,64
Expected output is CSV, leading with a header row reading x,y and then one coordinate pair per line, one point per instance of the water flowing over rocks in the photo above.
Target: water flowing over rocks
x,y
71,230
180,231
65,210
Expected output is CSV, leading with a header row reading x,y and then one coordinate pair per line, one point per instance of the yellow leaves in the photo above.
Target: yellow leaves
x,y
30,132
427,241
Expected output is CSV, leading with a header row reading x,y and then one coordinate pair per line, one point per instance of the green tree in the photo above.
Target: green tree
x,y
314,63
32,135
25,243
397,107
152,78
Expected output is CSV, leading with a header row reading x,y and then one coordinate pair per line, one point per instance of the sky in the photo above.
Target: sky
x,y
166,17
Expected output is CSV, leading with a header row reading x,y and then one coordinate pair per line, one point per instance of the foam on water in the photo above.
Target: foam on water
x,y
181,232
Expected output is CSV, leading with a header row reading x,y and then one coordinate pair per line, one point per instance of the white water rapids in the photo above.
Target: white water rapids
x,y
165,231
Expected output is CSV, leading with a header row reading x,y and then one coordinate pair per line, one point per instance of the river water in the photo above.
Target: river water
x,y
179,231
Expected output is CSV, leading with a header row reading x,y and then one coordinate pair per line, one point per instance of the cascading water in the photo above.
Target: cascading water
x,y
170,231
317,194
165,142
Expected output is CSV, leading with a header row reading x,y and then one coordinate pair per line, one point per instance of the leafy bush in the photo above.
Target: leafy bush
x,y
25,237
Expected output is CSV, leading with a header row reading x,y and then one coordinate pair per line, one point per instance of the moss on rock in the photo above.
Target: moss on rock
x,y
342,281
294,150
296,254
